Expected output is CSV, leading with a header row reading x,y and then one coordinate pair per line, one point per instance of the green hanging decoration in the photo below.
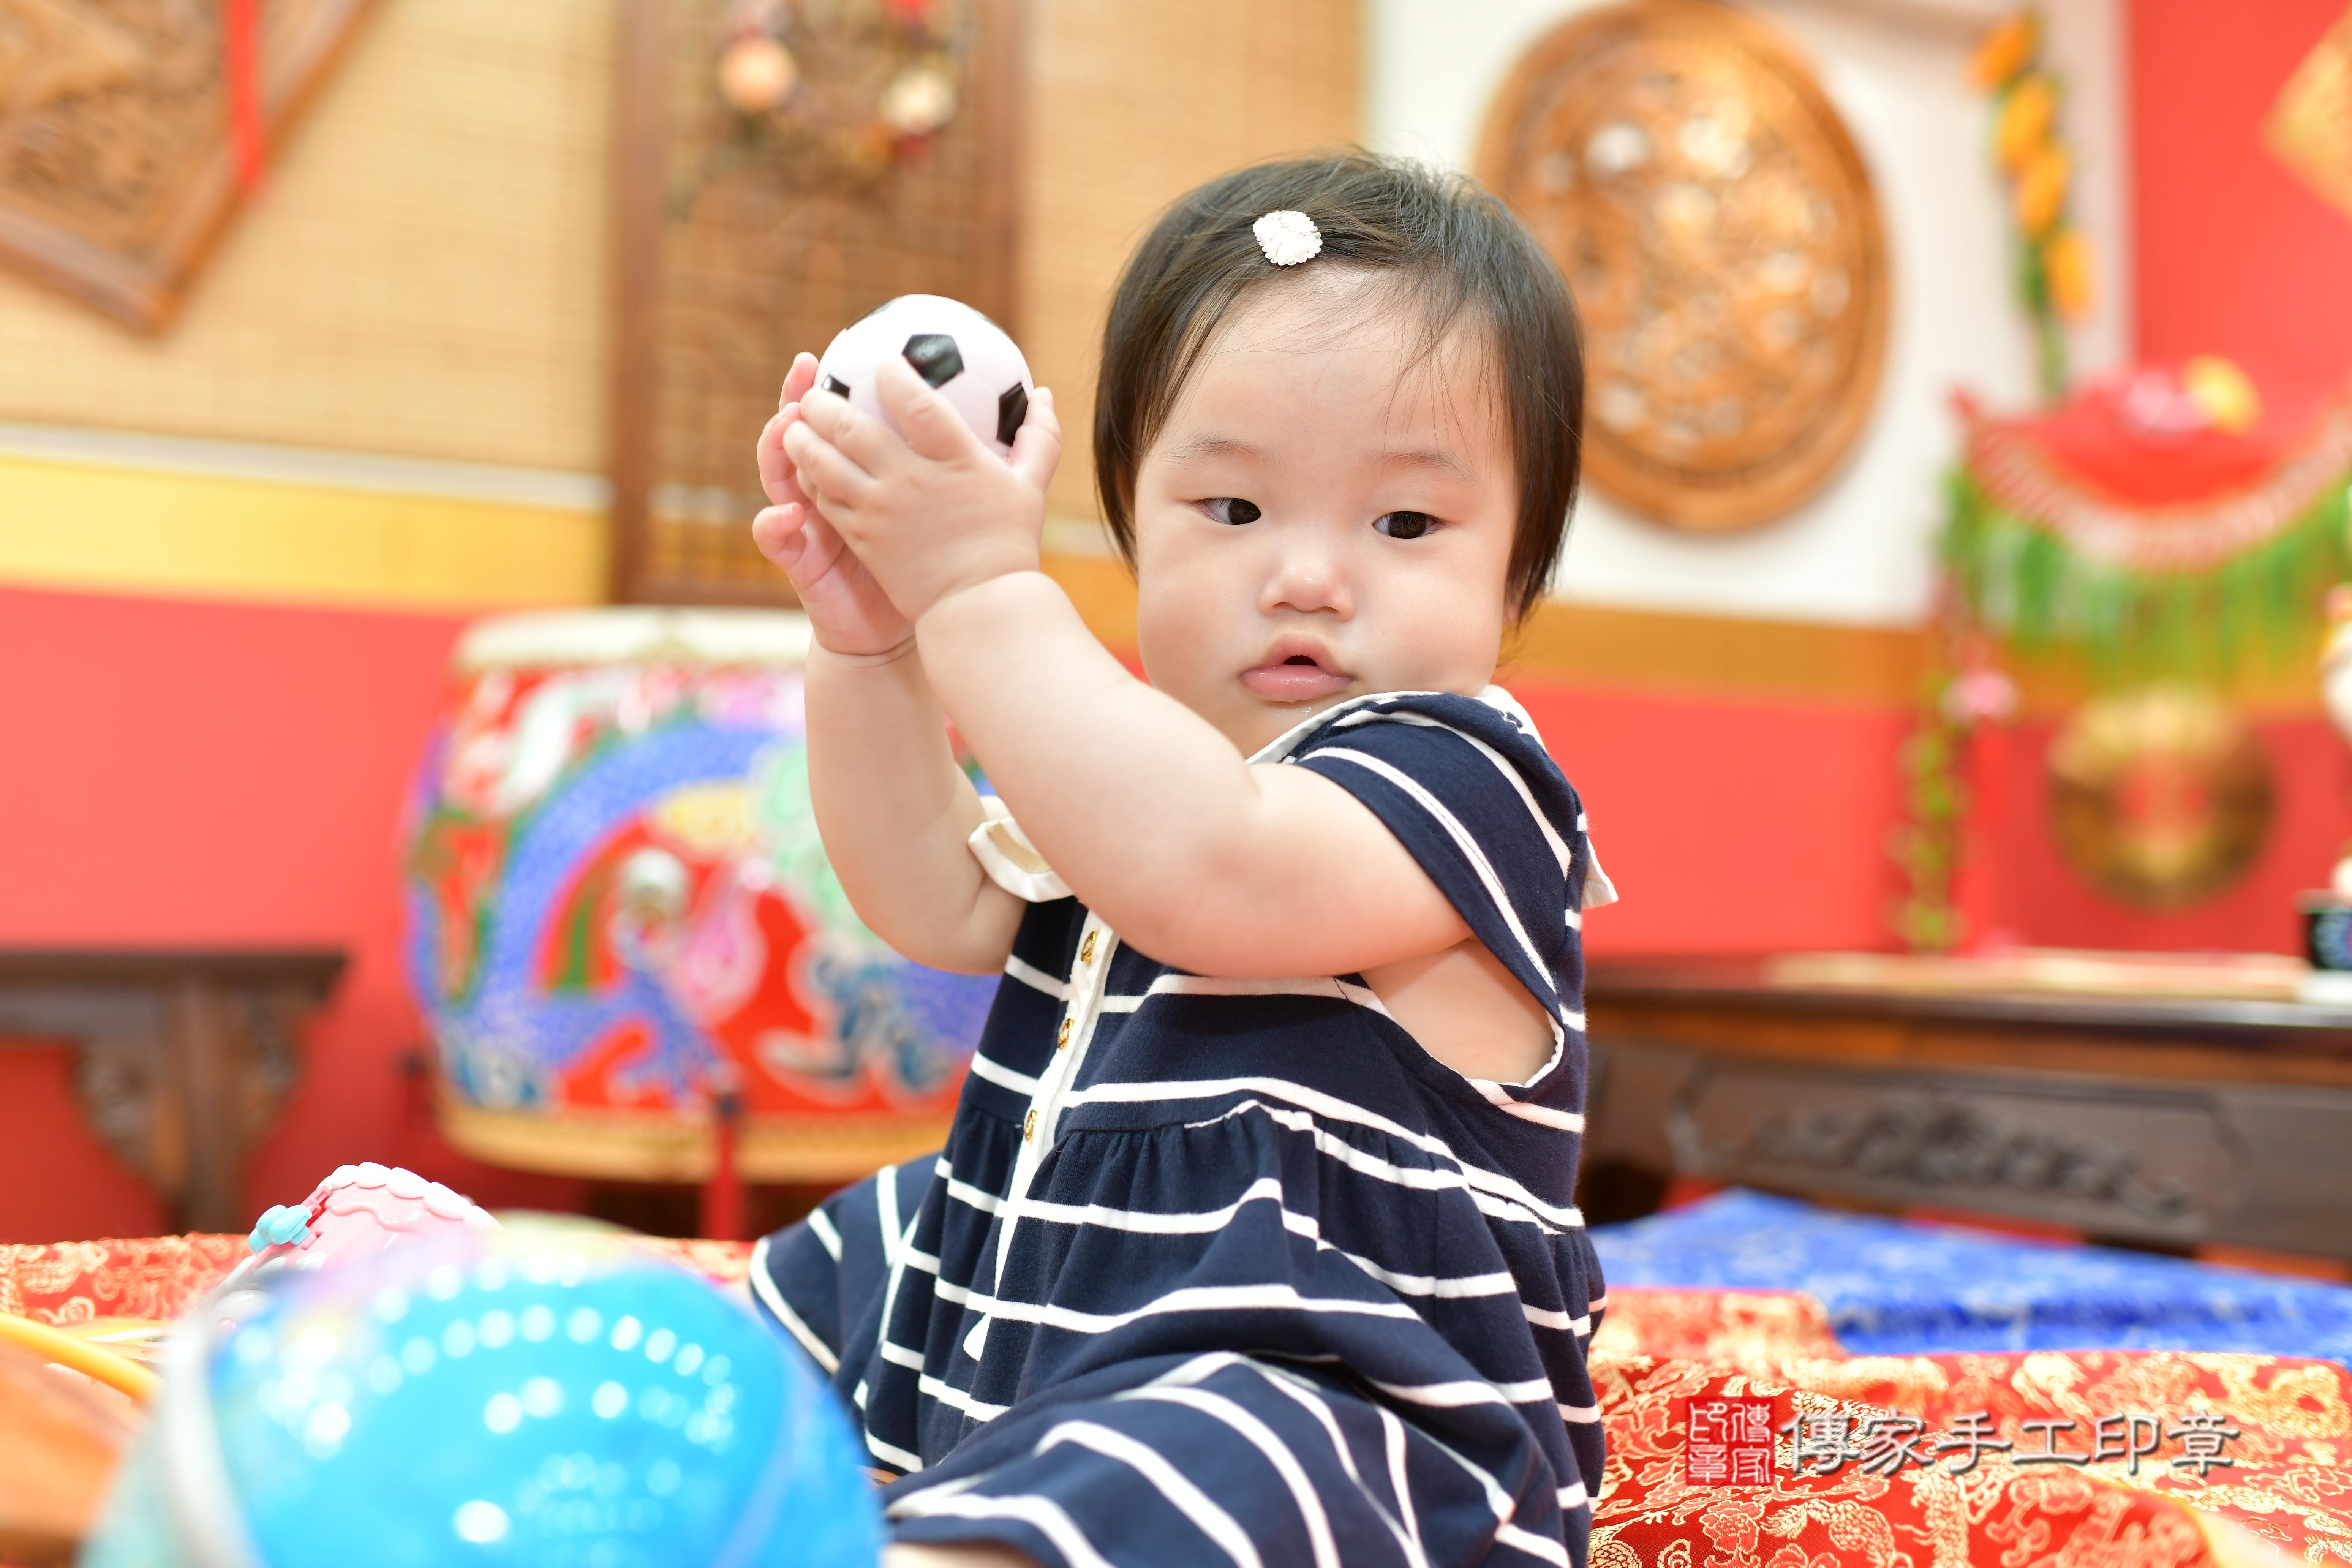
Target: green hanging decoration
x,y
2153,529
2195,555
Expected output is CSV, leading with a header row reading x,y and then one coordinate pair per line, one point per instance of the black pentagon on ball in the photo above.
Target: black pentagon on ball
x,y
1011,408
934,357
836,385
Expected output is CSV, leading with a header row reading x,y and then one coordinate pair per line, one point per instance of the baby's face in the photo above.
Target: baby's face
x,y
1323,517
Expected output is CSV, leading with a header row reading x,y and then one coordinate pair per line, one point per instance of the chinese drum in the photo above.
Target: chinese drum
x,y
619,909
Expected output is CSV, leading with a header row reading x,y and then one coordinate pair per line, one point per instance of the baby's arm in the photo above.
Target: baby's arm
x,y
894,809
1143,807
1152,818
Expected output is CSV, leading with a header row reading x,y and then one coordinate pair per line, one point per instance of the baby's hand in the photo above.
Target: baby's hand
x,y
936,511
846,608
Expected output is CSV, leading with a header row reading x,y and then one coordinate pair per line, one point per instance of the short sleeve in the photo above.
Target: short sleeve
x,y
1467,787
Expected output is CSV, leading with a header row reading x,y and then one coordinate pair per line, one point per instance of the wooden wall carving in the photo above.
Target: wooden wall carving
x,y
1717,225
732,254
116,168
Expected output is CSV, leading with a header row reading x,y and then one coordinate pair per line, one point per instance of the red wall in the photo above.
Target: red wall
x,y
1731,826
2234,255
181,775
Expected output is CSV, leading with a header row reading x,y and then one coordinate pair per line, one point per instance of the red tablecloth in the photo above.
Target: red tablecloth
x,y
2287,1498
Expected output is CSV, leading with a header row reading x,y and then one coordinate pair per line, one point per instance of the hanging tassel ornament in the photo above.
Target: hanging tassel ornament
x,y
241,61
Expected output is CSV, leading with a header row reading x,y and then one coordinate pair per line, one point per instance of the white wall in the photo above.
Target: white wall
x,y
1857,552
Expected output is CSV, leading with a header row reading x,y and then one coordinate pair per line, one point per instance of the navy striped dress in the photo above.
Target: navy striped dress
x,y
1232,1272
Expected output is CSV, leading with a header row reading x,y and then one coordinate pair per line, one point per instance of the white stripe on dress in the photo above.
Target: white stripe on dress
x,y
1506,1531
997,1073
1462,840
971,1196
821,1226
1392,1436
1328,986
1261,1438
1309,1398
1036,979
763,1285
1316,1102
891,1454
1466,1391
1511,774
957,1399
1191,1299
1169,1482
1043,1514
1542,1115
1545,1318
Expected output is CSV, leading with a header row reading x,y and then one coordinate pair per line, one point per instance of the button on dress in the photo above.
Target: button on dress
x,y
1220,1271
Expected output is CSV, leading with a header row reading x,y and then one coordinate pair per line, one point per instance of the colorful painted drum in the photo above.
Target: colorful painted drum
x,y
618,907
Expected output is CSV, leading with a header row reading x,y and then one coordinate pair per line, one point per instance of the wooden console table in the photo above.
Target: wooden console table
x,y
183,1058
2138,1119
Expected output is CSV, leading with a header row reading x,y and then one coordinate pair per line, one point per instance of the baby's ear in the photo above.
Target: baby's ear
x,y
929,422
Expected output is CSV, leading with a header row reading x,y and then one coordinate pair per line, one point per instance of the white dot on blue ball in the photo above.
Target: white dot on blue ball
x,y
480,1522
626,1333
609,1400
583,1325
542,1397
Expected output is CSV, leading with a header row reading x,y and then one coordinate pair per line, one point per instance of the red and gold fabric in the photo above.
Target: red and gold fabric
x,y
2284,1497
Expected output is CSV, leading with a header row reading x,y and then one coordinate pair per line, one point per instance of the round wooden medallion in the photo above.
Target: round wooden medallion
x,y
1716,225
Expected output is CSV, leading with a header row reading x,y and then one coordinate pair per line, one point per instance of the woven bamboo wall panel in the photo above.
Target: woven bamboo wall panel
x,y
1131,105
422,274
767,248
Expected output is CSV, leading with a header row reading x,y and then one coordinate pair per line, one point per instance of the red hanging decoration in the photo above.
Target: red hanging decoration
x,y
241,52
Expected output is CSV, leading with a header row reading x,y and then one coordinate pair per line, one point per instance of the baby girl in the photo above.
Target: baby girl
x,y
1254,1240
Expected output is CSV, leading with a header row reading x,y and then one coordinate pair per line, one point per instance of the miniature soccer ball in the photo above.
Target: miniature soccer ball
x,y
961,353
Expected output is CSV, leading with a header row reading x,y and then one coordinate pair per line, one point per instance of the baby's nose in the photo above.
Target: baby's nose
x,y
1308,584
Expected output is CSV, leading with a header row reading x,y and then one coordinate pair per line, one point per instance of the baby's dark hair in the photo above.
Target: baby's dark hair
x,y
1459,256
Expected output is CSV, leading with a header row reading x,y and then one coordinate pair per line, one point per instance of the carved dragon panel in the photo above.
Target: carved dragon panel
x,y
117,171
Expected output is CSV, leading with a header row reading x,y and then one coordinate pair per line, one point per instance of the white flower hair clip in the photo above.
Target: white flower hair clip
x,y
1288,237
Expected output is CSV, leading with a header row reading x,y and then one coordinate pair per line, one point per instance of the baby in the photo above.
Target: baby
x,y
1253,1241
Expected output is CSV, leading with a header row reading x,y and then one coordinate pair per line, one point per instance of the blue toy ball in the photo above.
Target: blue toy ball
x,y
541,1396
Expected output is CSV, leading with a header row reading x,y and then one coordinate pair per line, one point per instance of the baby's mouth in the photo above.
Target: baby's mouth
x,y
1290,675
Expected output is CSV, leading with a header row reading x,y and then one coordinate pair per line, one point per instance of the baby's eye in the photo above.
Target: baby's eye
x,y
1405,524
1232,510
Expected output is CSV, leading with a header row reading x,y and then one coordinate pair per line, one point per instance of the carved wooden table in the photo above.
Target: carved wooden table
x,y
2150,1120
183,1058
